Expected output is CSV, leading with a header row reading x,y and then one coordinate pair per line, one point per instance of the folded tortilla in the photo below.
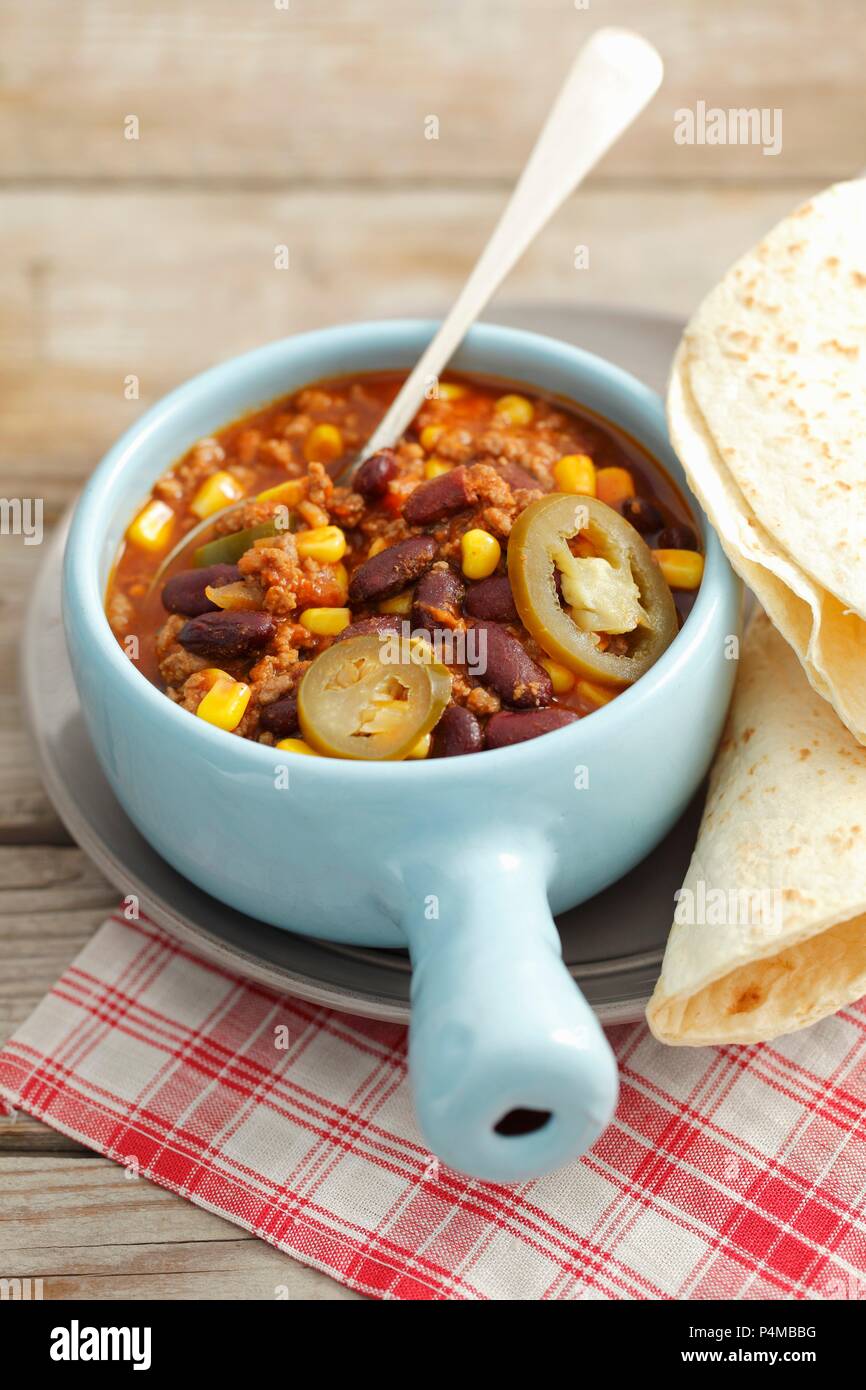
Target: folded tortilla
x,y
770,925
767,411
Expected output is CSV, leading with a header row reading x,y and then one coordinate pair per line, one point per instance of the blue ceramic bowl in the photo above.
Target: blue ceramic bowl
x,y
463,859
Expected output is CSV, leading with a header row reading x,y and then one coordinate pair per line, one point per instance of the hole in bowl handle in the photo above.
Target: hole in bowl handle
x,y
498,1025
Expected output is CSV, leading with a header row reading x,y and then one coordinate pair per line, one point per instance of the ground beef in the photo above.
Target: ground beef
x,y
536,455
410,458
195,687
465,690
247,446
480,700
379,526
496,520
121,614
319,485
488,486
175,664
456,446
249,725
242,517
498,507
243,476
281,656
204,458
288,582
280,451
275,565
297,427
346,508
314,400
272,688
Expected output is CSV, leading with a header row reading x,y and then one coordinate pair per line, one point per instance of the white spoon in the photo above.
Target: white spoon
x,y
613,77
611,80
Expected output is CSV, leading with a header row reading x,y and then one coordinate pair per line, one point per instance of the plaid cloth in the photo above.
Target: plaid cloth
x,y
735,1172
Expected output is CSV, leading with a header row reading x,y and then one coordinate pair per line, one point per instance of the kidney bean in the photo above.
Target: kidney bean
x,y
438,599
439,497
226,634
375,473
677,538
185,592
515,726
392,569
384,623
643,516
458,731
510,670
492,598
517,477
280,718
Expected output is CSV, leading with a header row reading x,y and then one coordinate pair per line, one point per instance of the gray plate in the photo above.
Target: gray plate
x,y
612,945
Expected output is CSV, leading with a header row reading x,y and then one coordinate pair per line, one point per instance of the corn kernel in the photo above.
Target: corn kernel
x,y
216,492
377,547
430,436
561,678
296,745
325,543
595,694
434,466
682,569
289,493
451,391
225,703
153,526
575,473
613,485
341,575
400,603
480,552
323,444
421,748
517,410
325,622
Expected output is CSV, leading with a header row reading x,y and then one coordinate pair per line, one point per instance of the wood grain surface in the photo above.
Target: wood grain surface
x,y
304,125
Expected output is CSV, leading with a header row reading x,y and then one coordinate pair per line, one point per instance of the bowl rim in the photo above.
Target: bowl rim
x,y
83,548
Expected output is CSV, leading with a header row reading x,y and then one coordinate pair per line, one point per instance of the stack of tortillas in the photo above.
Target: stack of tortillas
x,y
767,411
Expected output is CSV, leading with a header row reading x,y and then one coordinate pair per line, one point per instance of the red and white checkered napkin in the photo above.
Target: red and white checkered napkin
x,y
736,1172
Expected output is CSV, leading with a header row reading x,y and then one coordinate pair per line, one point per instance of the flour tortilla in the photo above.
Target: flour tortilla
x,y
829,639
767,411
784,828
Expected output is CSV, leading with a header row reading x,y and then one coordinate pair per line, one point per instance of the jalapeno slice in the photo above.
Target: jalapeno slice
x,y
617,588
372,697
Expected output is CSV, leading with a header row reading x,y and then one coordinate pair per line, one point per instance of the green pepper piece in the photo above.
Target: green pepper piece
x,y
227,550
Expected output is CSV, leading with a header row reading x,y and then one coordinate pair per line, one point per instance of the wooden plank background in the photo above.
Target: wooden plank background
x,y
310,93
262,124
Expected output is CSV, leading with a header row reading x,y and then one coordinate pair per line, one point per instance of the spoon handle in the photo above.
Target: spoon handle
x,y
613,77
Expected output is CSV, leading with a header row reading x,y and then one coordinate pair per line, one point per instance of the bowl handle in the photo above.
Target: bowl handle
x,y
511,1071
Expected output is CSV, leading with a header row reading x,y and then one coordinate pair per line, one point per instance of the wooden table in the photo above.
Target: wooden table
x,y
261,126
